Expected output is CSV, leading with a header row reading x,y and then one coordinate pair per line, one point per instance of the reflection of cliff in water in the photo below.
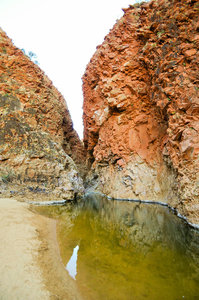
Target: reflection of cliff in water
x,y
129,250
144,225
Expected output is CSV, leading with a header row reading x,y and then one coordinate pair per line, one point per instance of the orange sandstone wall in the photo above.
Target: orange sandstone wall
x,y
141,106
40,152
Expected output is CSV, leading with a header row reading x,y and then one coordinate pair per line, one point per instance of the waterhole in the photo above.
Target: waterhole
x,y
127,251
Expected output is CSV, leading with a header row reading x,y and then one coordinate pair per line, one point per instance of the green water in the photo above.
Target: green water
x,y
128,250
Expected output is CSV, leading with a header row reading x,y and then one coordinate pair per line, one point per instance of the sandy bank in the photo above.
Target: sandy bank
x,y
30,264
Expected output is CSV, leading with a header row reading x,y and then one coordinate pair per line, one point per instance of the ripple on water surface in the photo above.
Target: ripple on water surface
x,y
124,250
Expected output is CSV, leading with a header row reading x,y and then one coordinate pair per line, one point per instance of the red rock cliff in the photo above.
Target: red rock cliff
x,y
40,152
141,106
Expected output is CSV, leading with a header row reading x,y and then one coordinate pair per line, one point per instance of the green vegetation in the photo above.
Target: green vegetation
x,y
160,33
31,55
5,178
4,50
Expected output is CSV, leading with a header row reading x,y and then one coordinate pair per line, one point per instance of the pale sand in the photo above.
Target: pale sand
x,y
30,263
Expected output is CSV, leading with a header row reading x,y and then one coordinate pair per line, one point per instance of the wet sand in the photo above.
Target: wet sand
x,y
30,262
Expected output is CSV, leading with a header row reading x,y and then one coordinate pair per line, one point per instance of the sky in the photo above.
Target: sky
x,y
64,36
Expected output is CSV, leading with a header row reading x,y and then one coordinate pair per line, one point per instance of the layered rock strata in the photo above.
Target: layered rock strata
x,y
141,107
40,152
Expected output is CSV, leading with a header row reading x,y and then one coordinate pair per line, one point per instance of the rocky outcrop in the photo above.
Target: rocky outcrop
x,y
141,107
40,152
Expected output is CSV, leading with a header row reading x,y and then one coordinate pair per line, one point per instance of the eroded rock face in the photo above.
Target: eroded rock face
x,y
141,106
40,152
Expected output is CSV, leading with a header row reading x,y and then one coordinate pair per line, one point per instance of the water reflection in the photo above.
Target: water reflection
x,y
133,251
128,250
142,224
71,266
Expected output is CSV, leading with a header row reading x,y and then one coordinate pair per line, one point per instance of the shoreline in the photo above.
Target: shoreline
x,y
171,208
174,210
30,263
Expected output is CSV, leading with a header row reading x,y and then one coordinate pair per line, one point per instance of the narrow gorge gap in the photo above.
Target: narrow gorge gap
x,y
140,142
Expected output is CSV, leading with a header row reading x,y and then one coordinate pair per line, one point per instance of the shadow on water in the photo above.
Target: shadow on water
x,y
125,250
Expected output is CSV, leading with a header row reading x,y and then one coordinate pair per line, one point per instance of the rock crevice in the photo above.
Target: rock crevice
x,y
141,115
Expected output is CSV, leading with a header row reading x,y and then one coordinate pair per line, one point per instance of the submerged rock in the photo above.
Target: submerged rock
x,y
40,152
141,109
